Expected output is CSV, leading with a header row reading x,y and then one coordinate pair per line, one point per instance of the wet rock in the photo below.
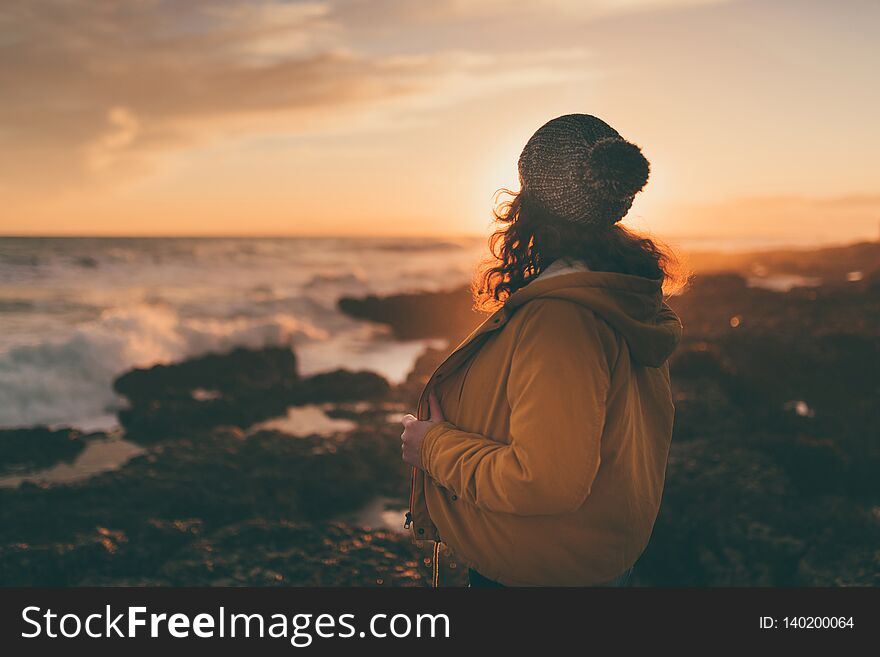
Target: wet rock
x,y
256,552
155,421
732,517
830,264
284,553
340,386
699,360
720,305
120,527
86,262
39,447
239,372
758,492
239,389
447,314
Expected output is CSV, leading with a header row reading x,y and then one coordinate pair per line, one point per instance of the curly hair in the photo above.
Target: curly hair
x,y
530,238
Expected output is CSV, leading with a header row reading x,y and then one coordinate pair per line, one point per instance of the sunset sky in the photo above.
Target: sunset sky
x,y
150,117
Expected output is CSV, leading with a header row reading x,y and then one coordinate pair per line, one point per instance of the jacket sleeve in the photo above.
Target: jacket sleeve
x,y
557,389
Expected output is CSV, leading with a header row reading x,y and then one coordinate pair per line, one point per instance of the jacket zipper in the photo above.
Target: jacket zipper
x,y
408,518
412,493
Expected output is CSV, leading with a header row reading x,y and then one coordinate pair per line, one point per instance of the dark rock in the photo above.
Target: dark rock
x,y
239,372
284,553
698,360
87,262
122,526
732,517
770,474
39,447
171,418
448,314
831,264
238,389
341,386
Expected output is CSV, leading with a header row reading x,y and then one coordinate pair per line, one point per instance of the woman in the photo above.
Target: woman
x,y
540,447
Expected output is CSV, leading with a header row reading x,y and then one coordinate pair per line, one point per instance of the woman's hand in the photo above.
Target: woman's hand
x,y
414,431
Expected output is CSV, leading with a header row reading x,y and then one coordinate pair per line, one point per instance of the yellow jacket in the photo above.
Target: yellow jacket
x,y
549,467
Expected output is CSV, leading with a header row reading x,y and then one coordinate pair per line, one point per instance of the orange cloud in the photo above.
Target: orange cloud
x,y
100,88
253,115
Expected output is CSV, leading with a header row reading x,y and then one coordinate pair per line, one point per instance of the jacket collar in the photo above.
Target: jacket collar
x,y
561,266
633,305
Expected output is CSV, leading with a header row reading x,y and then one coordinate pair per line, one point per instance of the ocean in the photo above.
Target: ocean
x,y
77,312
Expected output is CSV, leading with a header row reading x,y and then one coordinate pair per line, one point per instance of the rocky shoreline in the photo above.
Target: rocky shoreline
x,y
215,499
771,480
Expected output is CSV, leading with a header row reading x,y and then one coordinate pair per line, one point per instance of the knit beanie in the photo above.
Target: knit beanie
x,y
578,168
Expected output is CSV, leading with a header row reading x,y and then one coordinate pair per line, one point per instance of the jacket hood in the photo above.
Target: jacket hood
x,y
632,305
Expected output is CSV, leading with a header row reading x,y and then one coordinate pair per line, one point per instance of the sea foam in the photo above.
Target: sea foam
x,y
70,381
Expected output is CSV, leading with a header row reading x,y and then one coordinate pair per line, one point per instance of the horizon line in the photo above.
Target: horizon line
x,y
733,248
264,236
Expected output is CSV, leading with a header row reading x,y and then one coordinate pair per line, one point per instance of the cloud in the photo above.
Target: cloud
x,y
95,89
453,10
122,130
88,84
